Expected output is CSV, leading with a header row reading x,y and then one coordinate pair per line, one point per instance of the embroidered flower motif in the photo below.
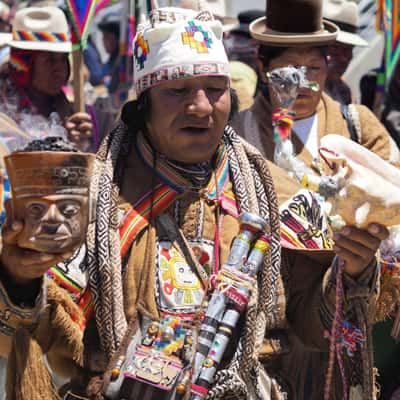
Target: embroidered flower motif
x,y
197,38
141,50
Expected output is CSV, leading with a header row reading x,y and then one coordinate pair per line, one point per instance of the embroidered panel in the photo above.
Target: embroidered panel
x,y
179,289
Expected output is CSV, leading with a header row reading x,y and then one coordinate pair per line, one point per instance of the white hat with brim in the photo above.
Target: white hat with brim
x,y
351,39
41,29
344,14
5,38
260,32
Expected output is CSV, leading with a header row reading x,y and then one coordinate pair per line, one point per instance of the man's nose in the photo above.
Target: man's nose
x,y
200,105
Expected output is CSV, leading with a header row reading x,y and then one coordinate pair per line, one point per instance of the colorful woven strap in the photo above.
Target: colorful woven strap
x,y
82,296
137,218
283,120
27,36
158,200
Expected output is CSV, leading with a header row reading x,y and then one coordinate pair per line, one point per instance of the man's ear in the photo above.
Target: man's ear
x,y
261,71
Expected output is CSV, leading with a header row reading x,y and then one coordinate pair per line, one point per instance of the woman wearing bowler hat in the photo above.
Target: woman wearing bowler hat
x,y
294,33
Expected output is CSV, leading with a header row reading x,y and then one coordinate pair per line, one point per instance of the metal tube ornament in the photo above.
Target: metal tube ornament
x,y
228,301
250,225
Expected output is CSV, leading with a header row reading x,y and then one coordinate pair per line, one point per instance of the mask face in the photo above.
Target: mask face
x,y
54,223
50,195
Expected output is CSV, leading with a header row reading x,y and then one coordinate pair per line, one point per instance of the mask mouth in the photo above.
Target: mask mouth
x,y
55,232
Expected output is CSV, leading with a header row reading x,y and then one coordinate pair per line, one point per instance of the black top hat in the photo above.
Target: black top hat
x,y
293,23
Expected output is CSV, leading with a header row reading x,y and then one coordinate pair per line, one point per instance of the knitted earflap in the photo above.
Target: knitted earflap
x,y
20,66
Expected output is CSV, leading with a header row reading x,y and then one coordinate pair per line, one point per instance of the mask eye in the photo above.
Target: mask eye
x,y
69,209
36,210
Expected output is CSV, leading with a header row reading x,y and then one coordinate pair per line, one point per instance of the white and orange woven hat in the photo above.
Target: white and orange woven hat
x,y
177,43
41,28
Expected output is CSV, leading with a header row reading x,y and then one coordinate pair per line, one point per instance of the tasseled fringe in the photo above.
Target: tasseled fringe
x,y
65,310
27,375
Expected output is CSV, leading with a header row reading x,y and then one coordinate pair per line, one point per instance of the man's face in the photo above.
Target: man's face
x,y
188,116
312,58
50,72
54,223
339,57
110,42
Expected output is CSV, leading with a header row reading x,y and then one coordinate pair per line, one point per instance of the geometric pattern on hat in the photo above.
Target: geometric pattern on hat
x,y
141,50
161,47
40,36
197,38
180,72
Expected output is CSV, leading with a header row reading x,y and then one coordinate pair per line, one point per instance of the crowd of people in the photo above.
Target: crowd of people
x,y
190,211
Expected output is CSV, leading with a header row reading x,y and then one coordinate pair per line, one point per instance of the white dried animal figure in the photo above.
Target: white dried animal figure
x,y
284,83
370,190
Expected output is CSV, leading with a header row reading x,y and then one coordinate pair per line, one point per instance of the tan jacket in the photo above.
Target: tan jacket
x,y
255,126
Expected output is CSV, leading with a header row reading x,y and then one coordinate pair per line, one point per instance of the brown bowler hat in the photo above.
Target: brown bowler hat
x,y
293,23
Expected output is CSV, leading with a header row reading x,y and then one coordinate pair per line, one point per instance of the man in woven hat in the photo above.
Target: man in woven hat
x,y
344,14
170,182
37,71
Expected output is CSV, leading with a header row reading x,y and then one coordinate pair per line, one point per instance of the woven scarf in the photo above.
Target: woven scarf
x,y
254,193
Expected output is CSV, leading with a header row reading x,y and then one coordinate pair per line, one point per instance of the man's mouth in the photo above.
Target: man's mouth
x,y
196,130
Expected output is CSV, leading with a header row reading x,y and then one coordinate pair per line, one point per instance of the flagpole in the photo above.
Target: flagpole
x,y
81,13
78,83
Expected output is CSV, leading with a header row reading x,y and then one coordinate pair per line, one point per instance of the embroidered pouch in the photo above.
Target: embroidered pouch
x,y
154,369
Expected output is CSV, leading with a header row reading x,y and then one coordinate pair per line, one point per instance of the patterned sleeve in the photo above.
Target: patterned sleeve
x,y
312,296
363,288
15,314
